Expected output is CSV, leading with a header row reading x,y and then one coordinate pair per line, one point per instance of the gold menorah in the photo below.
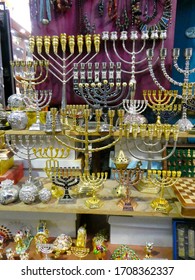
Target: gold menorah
x,y
44,43
95,182
55,48
51,154
164,179
86,139
30,73
160,101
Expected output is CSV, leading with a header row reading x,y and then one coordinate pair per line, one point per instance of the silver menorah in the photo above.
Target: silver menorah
x,y
29,74
37,100
100,86
22,146
62,53
136,66
184,123
149,144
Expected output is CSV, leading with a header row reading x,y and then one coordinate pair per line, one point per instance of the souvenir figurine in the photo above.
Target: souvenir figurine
x,y
148,250
42,235
80,250
99,247
10,254
61,244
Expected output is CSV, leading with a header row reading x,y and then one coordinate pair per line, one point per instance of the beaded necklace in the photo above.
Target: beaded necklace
x,y
163,22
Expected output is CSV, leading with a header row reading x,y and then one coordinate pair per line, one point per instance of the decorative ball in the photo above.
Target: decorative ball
x,y
45,195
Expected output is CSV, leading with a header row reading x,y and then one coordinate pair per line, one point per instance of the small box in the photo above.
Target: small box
x,y
139,230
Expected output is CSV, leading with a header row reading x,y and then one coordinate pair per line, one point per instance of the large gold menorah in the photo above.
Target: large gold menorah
x,y
164,179
160,101
87,136
29,74
62,51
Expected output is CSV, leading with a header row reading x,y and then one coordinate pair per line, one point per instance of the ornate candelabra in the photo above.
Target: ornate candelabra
x,y
184,123
29,74
37,100
160,101
134,109
95,182
22,146
51,154
85,134
127,178
100,87
55,49
66,178
136,39
164,179
149,144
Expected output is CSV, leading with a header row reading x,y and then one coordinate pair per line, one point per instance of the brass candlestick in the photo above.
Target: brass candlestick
x,y
164,179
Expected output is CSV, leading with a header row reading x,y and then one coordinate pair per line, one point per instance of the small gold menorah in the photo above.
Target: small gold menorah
x,y
160,101
164,179
51,154
95,182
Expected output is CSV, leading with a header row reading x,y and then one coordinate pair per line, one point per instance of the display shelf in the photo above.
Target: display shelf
x,y
182,134
109,207
157,253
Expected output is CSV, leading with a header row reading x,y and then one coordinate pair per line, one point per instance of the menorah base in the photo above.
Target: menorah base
x,y
93,203
161,205
145,186
69,200
127,203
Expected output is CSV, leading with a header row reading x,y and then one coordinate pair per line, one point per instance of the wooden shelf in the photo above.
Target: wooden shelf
x,y
115,133
109,207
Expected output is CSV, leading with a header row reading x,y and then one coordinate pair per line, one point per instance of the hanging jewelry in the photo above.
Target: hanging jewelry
x,y
136,12
122,21
146,16
101,8
45,11
163,22
61,6
88,28
112,9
